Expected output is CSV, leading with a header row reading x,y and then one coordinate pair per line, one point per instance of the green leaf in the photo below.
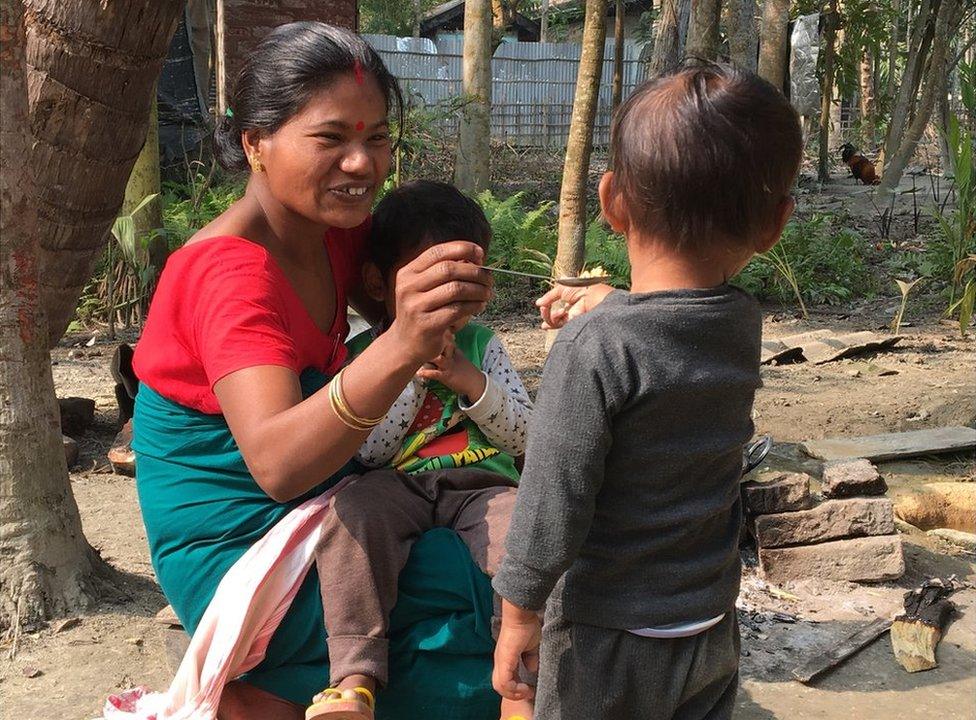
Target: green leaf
x,y
966,307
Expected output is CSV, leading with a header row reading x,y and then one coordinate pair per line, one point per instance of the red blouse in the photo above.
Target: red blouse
x,y
223,305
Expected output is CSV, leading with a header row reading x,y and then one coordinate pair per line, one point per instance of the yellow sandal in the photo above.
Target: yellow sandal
x,y
333,706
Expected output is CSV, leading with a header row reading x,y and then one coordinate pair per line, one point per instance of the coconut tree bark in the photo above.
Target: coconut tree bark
x,y
829,50
743,34
702,41
773,42
572,195
950,13
472,171
91,70
618,56
74,97
667,41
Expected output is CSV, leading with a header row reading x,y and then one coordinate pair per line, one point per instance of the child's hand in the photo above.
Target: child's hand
x,y
562,304
518,640
454,370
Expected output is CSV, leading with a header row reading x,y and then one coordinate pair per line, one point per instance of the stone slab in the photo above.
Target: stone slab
x,y
777,493
964,540
893,445
866,559
846,478
831,520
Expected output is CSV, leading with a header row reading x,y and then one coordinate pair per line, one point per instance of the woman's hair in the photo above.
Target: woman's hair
x,y
423,213
705,154
280,75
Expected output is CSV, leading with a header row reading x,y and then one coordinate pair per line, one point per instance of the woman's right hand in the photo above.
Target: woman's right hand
x,y
561,304
437,293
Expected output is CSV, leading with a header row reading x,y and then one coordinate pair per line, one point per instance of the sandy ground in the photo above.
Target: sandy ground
x,y
67,672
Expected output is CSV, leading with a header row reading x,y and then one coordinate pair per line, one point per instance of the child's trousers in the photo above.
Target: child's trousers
x,y
595,673
367,540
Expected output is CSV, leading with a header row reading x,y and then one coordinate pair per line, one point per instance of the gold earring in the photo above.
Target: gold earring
x,y
256,165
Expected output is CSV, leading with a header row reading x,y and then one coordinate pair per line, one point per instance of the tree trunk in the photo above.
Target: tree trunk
x,y
942,122
91,70
774,43
743,34
472,171
703,30
618,57
891,87
572,195
945,27
867,97
46,566
544,22
666,53
827,89
144,180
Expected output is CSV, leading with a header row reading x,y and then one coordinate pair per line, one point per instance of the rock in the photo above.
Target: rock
x,y
120,454
66,624
964,540
844,478
77,415
777,493
30,672
831,520
857,559
70,450
940,505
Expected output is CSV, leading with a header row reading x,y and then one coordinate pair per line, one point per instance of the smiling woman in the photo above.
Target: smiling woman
x,y
234,425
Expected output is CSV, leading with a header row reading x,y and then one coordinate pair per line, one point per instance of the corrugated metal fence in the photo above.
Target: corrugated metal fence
x,y
533,84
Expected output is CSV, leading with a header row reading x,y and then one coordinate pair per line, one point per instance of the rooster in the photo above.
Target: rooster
x,y
861,168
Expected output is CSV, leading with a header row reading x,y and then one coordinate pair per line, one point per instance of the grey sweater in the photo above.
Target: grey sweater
x,y
628,508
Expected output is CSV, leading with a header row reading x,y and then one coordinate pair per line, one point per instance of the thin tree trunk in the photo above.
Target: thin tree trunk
x,y
544,22
919,46
827,89
618,57
867,97
773,44
220,56
703,30
91,70
743,34
666,53
946,26
942,121
46,567
417,17
472,171
572,195
891,87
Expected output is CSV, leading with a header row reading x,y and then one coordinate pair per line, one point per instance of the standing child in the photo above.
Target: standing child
x,y
449,444
628,512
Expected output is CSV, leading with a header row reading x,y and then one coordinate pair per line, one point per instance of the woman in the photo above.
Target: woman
x,y
233,427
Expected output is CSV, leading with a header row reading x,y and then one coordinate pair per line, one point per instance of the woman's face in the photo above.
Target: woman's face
x,y
328,161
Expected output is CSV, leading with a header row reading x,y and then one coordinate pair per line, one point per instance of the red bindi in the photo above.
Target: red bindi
x,y
360,125
357,69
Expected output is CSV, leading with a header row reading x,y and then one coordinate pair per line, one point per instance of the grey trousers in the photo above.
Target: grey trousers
x,y
367,540
594,673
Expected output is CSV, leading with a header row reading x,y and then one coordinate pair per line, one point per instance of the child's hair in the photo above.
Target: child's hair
x,y
421,213
705,154
279,76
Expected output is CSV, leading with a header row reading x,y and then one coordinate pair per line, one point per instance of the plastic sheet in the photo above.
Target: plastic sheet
x,y
804,49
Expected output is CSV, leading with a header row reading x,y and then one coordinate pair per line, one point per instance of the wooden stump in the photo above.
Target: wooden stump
x,y
916,633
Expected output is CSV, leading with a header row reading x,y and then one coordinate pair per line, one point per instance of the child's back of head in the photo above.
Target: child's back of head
x,y
705,156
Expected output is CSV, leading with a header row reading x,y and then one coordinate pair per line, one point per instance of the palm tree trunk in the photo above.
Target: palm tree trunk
x,y
773,43
867,96
90,82
572,195
829,50
743,34
666,40
946,25
618,57
703,30
472,170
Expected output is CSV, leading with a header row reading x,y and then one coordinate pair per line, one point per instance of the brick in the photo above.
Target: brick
x,y
831,520
780,492
845,478
868,559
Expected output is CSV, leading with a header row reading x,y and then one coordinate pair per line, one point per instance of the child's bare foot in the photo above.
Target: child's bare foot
x,y
351,699
517,709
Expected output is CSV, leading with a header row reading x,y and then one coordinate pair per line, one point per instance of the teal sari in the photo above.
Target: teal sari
x,y
202,510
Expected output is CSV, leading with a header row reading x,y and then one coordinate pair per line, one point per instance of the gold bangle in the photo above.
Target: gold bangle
x,y
341,408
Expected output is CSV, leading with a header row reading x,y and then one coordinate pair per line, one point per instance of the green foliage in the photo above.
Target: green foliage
x,y
189,206
816,262
391,17
519,235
